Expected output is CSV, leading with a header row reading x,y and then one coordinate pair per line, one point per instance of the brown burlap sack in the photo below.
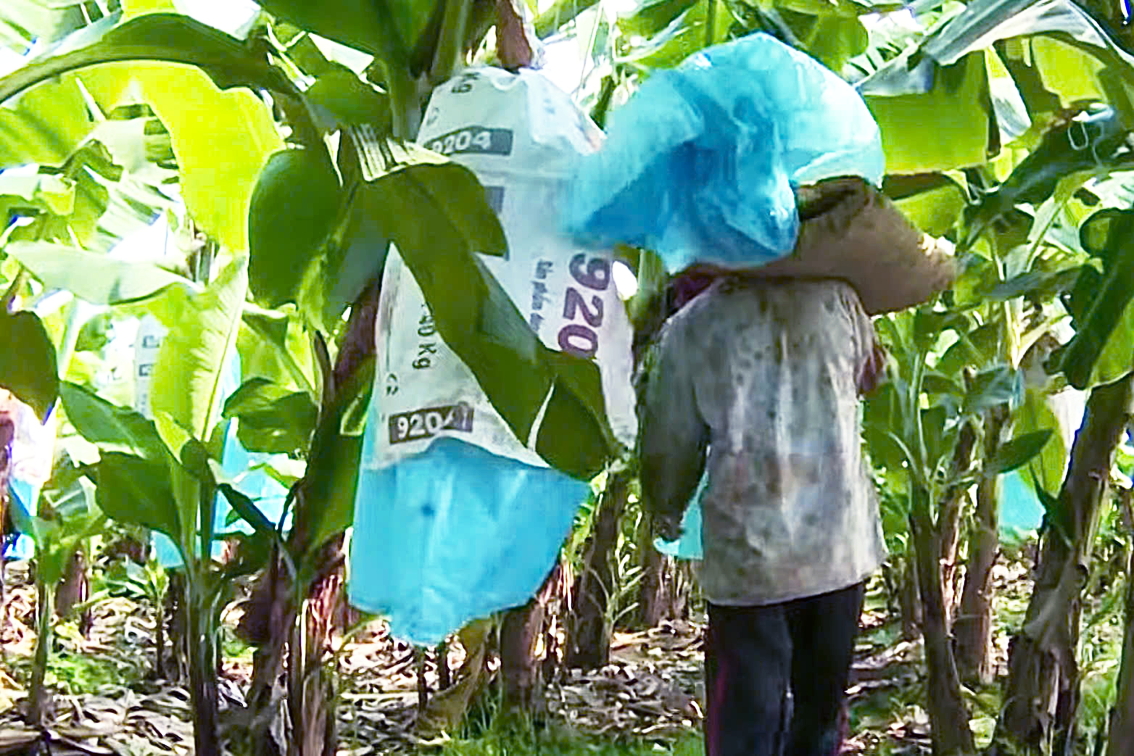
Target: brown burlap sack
x,y
853,232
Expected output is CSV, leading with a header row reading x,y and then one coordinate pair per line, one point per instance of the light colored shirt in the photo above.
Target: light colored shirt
x,y
756,383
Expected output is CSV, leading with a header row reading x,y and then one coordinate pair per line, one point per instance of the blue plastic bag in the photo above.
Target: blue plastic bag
x,y
699,164
1021,514
688,546
265,491
24,496
481,532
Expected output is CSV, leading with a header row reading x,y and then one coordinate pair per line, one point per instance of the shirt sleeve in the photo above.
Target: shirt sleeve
x,y
871,367
673,436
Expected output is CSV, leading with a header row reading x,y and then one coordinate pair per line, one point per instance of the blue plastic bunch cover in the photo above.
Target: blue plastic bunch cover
x,y
688,545
23,495
1021,515
266,492
481,530
699,165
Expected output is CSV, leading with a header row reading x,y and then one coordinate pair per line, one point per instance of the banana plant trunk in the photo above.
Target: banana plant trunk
x,y
663,592
1042,695
202,641
909,597
519,665
7,529
444,672
950,520
972,629
311,699
268,623
39,705
948,713
1121,731
588,636
291,626
74,589
291,622
175,608
159,640
524,670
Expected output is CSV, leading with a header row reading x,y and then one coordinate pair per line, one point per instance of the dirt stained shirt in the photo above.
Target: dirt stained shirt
x,y
757,384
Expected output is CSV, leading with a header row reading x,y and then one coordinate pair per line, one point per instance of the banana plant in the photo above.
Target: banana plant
x,y
160,473
66,515
1004,56
1098,357
143,582
915,425
245,217
999,313
52,204
316,222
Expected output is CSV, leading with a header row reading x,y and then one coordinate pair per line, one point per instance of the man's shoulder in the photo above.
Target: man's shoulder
x,y
741,295
734,302
819,296
707,307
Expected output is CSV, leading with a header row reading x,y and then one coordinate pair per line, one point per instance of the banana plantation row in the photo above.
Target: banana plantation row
x,y
274,157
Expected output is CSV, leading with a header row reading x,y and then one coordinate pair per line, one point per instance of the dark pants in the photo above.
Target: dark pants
x,y
755,654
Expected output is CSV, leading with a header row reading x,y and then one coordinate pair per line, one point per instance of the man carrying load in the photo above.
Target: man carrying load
x,y
755,167
757,381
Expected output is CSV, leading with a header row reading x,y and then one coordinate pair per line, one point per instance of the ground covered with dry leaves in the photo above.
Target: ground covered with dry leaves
x,y
648,700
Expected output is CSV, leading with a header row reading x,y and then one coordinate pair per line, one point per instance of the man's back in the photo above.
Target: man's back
x,y
766,374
